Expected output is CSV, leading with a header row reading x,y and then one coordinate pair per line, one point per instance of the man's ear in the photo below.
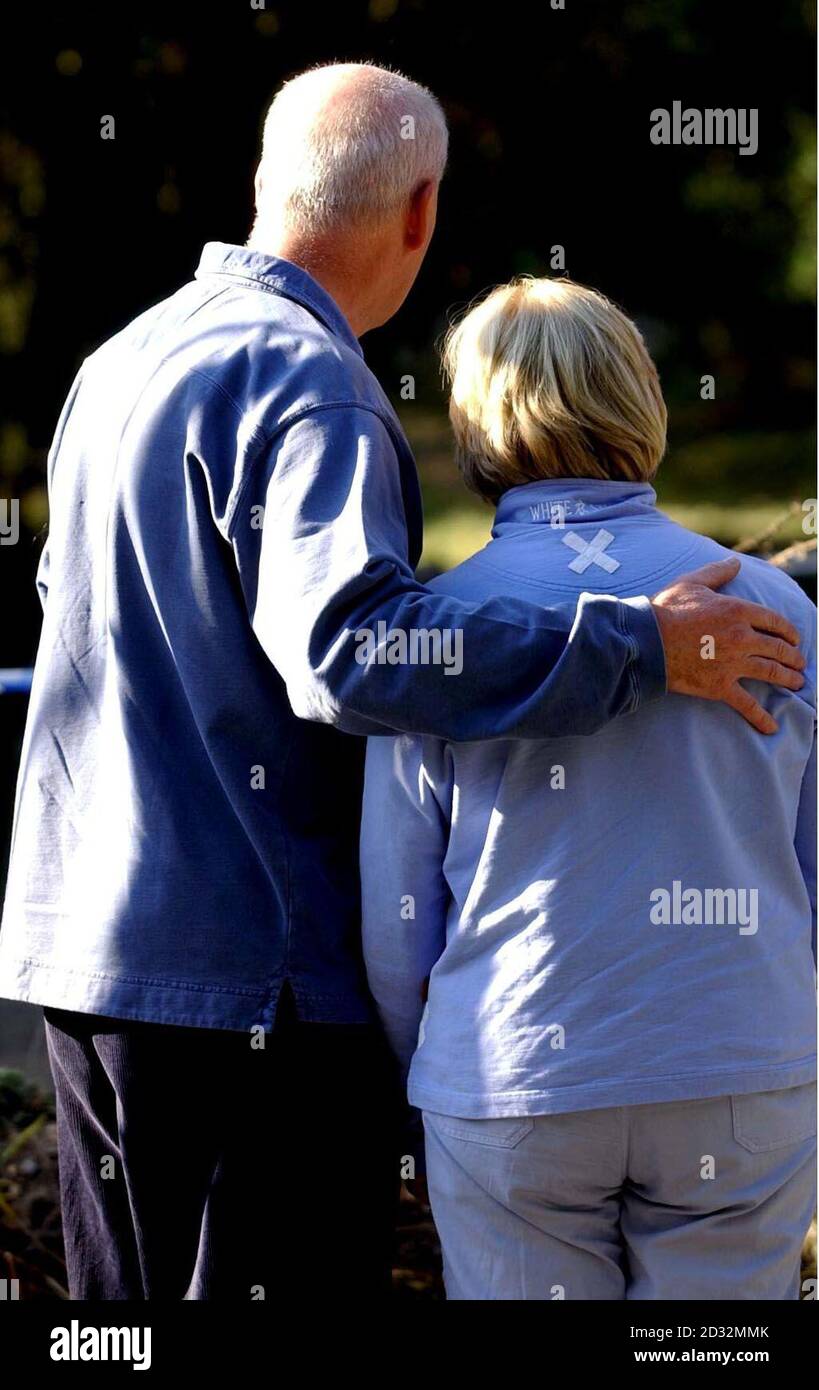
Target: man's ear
x,y
257,184
420,221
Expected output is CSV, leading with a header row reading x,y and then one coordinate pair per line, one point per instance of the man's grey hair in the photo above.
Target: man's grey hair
x,y
347,143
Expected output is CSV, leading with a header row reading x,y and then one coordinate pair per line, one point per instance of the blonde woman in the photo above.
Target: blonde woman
x,y
616,1055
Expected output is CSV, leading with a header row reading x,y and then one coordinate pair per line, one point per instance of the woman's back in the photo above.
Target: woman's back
x,y
625,916
612,932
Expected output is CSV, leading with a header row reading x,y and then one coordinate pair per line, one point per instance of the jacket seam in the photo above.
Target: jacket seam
x,y
152,981
554,1091
541,584
286,423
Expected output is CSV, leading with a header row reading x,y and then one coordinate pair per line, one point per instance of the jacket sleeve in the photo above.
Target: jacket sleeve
x,y
405,897
805,837
327,576
44,566
43,571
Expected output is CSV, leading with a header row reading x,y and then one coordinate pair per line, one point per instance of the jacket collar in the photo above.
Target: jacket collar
x,y
277,277
557,500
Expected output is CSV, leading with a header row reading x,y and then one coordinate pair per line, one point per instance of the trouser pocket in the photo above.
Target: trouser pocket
x,y
768,1120
492,1133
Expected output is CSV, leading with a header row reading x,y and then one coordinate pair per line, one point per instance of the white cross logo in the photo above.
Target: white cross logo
x,y
591,553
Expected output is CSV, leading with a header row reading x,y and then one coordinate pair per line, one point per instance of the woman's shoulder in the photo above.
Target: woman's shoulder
x,y
765,582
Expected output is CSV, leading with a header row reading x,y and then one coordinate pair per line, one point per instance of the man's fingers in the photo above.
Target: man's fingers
x,y
713,576
779,650
761,668
750,642
745,704
763,619
766,620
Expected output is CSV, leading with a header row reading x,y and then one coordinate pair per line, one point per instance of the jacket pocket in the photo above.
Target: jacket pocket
x,y
493,1133
767,1120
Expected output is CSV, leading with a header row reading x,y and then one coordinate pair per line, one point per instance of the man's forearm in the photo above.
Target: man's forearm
x,y
333,565
515,669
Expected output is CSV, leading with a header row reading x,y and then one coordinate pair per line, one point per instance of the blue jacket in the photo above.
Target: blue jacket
x,y
232,501
613,920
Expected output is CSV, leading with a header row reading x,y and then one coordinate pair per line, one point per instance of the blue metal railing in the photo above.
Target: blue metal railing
x,y
14,682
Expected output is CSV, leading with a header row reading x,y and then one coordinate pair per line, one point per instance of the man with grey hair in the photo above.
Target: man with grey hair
x,y
233,503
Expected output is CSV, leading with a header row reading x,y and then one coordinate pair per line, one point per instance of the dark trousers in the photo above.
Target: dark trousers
x,y
192,1165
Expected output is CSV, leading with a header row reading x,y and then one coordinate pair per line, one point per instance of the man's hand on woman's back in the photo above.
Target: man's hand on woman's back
x,y
750,642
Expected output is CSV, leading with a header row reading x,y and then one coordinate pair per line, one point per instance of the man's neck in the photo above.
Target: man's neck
x,y
347,286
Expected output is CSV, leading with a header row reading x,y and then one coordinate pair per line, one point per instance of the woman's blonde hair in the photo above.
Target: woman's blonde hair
x,y
548,379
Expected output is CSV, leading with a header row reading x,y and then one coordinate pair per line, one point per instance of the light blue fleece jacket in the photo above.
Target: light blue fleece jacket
x,y
610,920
